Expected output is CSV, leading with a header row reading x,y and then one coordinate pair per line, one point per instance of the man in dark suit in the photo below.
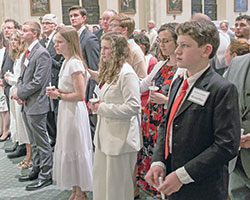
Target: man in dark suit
x,y
107,14
90,51
200,132
49,25
239,168
35,77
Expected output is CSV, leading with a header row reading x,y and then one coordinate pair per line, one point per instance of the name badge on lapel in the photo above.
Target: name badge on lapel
x,y
198,96
26,62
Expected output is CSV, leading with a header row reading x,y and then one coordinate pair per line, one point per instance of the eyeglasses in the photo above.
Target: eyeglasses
x,y
47,23
164,41
114,25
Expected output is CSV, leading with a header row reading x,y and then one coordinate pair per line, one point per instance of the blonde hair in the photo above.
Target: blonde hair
x,y
71,37
109,70
16,53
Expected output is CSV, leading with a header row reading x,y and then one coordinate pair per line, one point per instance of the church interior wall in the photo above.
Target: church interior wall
x,y
145,10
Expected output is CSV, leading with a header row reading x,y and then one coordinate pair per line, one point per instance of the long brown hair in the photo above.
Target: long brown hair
x,y
16,53
109,70
71,36
167,27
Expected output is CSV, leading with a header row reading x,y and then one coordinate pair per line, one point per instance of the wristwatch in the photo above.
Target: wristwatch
x,y
59,97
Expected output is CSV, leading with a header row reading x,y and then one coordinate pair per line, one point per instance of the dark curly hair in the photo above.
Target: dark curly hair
x,y
143,40
246,17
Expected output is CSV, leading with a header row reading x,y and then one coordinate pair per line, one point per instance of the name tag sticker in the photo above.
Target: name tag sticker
x,y
198,96
26,62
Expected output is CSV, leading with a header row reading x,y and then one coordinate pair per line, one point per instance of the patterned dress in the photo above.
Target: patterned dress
x,y
152,117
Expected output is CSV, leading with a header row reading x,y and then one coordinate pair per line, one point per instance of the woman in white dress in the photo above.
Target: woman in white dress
x,y
17,126
73,150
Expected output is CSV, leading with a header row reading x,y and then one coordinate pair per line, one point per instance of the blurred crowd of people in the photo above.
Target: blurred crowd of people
x,y
116,110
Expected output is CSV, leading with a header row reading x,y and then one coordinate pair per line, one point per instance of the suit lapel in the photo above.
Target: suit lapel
x,y
201,83
23,69
105,88
42,42
33,51
51,44
83,34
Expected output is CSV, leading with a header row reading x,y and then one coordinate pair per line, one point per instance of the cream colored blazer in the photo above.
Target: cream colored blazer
x,y
118,125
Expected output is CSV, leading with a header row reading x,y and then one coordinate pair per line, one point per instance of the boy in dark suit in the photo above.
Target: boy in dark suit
x,y
200,132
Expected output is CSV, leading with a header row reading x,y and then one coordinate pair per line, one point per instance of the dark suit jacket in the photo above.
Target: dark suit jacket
x,y
98,34
205,138
34,79
57,61
7,65
91,53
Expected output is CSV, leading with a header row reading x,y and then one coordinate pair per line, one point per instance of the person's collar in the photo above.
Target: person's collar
x,y
33,44
130,40
192,79
51,35
81,30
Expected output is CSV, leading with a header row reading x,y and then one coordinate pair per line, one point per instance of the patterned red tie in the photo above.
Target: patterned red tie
x,y
174,109
27,54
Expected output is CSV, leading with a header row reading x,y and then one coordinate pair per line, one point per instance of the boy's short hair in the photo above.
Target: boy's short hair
x,y
82,10
125,22
203,32
34,27
241,17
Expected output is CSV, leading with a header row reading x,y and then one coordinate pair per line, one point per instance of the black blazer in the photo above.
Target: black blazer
x,y
6,65
98,34
57,61
205,138
90,52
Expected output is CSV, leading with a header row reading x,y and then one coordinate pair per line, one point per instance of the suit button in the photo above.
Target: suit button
x,y
176,125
